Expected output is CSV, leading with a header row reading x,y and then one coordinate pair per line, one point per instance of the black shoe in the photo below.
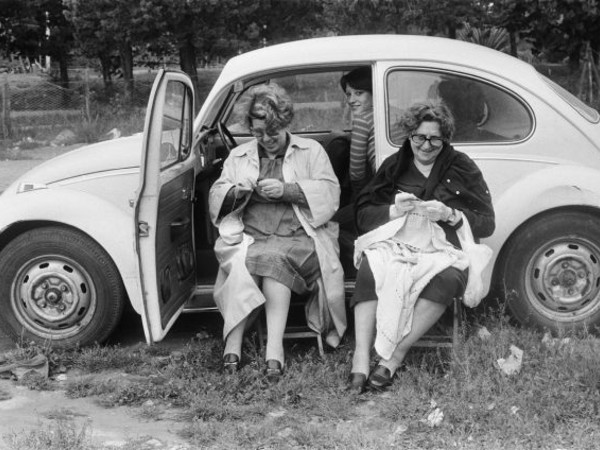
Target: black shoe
x,y
231,363
380,378
357,382
274,370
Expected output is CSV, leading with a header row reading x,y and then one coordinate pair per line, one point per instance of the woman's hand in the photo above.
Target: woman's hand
x,y
403,203
270,188
436,211
240,190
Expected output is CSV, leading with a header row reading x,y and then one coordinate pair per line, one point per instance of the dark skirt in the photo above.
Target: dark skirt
x,y
443,288
290,260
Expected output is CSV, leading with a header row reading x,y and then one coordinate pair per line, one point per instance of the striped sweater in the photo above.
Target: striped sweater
x,y
362,151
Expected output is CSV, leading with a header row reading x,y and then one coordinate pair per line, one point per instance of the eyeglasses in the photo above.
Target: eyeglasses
x,y
262,136
434,141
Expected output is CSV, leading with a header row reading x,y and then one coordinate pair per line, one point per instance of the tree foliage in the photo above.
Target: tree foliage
x,y
557,28
19,31
106,27
192,31
492,37
50,14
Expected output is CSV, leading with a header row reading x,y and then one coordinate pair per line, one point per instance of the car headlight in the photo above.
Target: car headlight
x,y
26,187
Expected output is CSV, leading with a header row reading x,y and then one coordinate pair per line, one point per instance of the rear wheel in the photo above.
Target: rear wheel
x,y
59,286
552,272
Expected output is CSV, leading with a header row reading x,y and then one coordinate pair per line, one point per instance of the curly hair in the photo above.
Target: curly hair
x,y
271,103
428,111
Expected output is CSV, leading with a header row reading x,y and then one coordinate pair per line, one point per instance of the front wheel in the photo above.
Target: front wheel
x,y
551,272
59,286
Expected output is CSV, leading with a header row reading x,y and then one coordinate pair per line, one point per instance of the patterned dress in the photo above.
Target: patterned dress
x,y
281,250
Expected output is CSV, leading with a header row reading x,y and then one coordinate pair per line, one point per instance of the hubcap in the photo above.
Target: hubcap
x,y
53,296
563,279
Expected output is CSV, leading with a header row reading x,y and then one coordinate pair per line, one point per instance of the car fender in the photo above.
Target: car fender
x,y
544,190
110,226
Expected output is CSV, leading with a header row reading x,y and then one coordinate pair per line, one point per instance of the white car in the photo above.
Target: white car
x,y
126,220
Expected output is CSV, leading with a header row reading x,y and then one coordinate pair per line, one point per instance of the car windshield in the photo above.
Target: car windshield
x,y
586,111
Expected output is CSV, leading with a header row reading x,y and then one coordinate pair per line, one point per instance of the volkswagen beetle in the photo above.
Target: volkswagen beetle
x,y
126,220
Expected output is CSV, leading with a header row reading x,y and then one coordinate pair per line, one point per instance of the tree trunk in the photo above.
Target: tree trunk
x,y
574,56
512,39
126,55
105,63
64,79
187,62
64,70
451,30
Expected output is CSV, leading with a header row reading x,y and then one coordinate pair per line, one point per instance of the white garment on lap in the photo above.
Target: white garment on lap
x,y
404,255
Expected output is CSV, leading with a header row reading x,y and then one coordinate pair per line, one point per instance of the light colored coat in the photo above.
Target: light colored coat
x,y
236,294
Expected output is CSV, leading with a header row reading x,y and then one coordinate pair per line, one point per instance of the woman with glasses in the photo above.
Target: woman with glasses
x,y
272,205
411,217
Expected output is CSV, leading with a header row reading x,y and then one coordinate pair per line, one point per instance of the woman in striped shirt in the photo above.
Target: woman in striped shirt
x,y
357,85
360,163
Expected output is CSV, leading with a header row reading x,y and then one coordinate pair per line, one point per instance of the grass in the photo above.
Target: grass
x,y
552,403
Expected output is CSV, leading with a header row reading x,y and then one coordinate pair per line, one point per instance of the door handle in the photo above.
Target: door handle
x,y
178,227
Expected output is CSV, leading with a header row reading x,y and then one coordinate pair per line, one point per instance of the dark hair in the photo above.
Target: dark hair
x,y
428,111
359,78
271,103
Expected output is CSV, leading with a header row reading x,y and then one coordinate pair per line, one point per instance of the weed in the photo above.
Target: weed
x,y
150,411
36,382
61,434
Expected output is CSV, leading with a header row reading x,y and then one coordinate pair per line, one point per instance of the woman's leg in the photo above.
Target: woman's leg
x,y
233,343
364,332
276,309
426,314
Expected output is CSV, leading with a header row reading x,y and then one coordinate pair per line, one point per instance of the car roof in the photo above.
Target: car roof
x,y
364,48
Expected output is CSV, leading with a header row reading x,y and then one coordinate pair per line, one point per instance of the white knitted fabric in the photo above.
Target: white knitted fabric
x,y
404,255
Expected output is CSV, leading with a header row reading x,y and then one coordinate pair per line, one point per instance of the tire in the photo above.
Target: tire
x,y
59,287
551,272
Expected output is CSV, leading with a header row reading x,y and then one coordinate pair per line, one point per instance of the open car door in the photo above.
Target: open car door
x,y
164,207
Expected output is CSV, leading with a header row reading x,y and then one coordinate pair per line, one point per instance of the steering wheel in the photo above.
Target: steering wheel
x,y
226,137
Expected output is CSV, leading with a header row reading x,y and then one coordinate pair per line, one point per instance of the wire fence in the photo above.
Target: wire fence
x,y
36,108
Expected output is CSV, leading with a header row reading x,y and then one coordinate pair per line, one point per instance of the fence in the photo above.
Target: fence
x,y
33,107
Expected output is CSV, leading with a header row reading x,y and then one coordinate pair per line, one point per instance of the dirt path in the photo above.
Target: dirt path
x,y
121,427
153,426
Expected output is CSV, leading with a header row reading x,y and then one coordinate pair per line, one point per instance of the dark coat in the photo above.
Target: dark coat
x,y
455,180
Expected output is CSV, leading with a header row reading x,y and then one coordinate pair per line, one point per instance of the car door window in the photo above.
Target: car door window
x,y
176,137
319,104
482,112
